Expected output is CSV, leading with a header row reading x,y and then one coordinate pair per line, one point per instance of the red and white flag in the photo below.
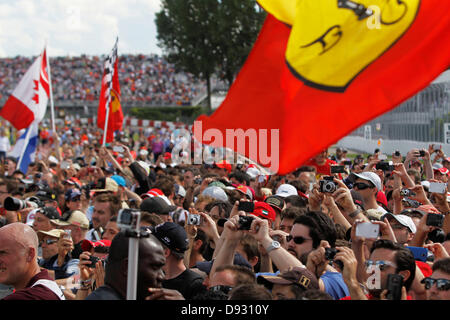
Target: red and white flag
x,y
28,102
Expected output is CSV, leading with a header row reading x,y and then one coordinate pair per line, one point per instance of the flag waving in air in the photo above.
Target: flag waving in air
x,y
320,69
109,107
28,101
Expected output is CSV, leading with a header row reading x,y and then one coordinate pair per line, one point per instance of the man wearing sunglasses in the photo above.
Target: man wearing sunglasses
x,y
367,185
438,284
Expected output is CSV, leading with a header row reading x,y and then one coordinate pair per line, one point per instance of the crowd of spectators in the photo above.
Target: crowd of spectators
x,y
148,79
337,228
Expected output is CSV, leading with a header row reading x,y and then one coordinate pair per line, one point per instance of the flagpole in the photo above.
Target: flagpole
x,y
108,102
51,91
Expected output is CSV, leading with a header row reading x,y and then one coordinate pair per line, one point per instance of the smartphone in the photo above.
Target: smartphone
x,y
435,220
337,169
394,286
367,230
419,253
68,234
64,165
382,157
118,149
437,187
246,206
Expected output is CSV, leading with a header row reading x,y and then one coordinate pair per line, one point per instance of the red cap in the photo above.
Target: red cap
x,y
245,190
425,268
264,210
87,245
381,198
167,155
224,165
442,170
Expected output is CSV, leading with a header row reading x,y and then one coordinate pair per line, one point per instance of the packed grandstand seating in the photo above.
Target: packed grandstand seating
x,y
144,79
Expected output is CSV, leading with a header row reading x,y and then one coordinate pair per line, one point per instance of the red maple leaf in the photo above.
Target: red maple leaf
x,y
36,89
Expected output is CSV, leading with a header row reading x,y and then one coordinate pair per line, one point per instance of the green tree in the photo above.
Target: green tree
x,y
206,37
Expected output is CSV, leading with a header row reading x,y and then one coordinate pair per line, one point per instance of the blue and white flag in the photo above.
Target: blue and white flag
x,y
26,149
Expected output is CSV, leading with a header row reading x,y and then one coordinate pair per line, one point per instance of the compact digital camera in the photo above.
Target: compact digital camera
x,y
327,185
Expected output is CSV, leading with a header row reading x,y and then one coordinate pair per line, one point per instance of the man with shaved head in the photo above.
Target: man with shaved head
x,y
19,266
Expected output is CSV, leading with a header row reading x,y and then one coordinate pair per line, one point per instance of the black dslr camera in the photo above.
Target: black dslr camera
x,y
327,185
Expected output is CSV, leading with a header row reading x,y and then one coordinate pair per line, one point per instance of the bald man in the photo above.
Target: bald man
x,y
19,266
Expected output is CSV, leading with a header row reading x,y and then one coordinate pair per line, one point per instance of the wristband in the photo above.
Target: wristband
x,y
354,213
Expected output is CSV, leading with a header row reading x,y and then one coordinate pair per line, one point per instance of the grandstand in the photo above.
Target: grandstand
x,y
145,80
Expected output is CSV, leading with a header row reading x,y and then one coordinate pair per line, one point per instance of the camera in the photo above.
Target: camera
x,y
397,153
422,153
194,219
337,169
245,222
327,185
435,220
246,206
93,261
198,181
407,193
14,204
129,219
394,286
385,166
330,253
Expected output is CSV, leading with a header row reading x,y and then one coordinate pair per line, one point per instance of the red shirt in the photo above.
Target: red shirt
x,y
323,169
38,292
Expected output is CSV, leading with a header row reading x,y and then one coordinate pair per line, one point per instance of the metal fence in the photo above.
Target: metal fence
x,y
422,118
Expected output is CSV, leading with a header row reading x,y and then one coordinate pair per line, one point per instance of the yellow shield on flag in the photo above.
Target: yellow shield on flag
x,y
332,41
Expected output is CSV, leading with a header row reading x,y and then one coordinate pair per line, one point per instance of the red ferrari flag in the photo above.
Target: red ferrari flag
x,y
109,107
320,69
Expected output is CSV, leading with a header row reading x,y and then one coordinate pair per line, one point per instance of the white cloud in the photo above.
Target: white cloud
x,y
77,27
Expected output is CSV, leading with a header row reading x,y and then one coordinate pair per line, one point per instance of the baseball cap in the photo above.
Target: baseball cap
x,y
105,185
73,181
253,172
172,235
49,212
442,170
245,190
368,176
87,245
286,190
403,220
216,193
294,275
276,202
119,180
75,217
223,164
156,205
264,210
55,233
180,191
46,195
167,155
72,194
145,166
239,260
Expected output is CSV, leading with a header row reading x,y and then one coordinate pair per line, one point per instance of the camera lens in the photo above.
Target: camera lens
x,y
13,204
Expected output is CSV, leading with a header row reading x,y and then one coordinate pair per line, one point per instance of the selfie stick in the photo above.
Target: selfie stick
x,y
133,253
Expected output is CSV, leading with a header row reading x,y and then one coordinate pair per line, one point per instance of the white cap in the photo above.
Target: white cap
x,y
145,165
216,193
368,176
253,172
286,190
403,220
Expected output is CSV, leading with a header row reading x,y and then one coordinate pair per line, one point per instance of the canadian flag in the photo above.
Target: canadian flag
x,y
28,102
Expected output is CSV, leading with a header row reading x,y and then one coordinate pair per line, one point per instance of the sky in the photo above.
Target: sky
x,y
75,27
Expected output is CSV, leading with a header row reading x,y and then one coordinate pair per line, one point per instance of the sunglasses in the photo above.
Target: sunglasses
x,y
297,240
75,199
361,186
381,264
49,241
442,284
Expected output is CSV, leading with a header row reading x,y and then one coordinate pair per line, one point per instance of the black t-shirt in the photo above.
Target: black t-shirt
x,y
104,293
188,283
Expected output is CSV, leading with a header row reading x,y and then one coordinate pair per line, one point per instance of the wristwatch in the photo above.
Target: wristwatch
x,y
274,245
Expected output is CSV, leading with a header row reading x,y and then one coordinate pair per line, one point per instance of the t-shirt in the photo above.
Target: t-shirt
x,y
38,292
188,283
335,285
324,169
104,293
